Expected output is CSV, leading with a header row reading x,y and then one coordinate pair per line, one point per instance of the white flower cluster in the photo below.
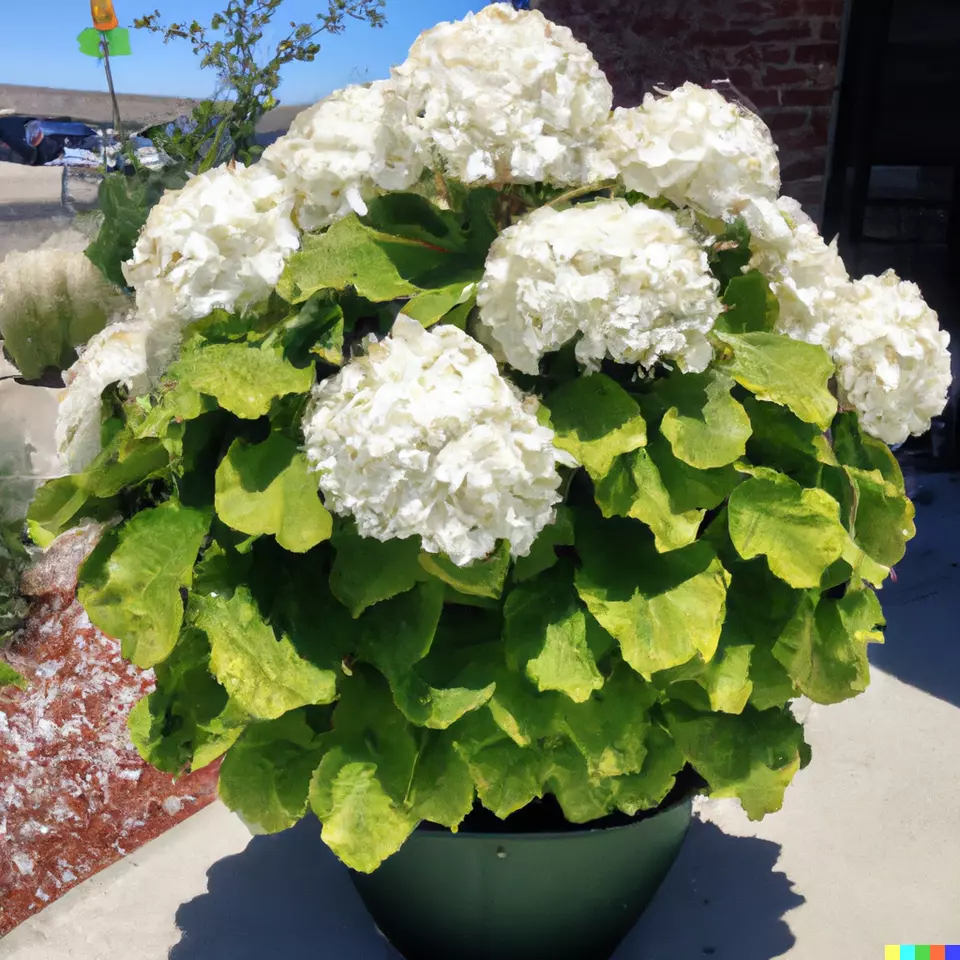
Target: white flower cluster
x,y
504,95
221,241
694,148
131,352
893,366
339,151
422,436
806,274
630,280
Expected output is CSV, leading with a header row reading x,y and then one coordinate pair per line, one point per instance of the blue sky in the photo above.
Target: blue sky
x,y
38,46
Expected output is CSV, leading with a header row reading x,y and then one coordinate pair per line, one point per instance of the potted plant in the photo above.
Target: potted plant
x,y
491,472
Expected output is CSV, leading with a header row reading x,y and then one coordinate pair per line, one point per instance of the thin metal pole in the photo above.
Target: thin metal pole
x,y
118,126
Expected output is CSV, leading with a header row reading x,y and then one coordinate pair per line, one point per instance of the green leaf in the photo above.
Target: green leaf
x,y
663,609
633,487
442,790
706,427
243,378
752,756
430,306
610,727
797,530
482,578
318,328
543,555
595,420
648,788
397,635
883,523
188,719
366,571
730,252
507,777
545,632
125,203
376,265
691,489
130,585
176,403
824,647
751,305
854,448
782,440
581,798
785,371
364,826
726,678
265,777
757,627
10,678
262,673
267,488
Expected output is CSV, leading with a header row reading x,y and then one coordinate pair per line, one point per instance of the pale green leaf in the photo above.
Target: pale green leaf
x,y
10,678
364,825
883,520
366,571
262,673
430,306
265,777
648,788
691,489
595,420
824,647
542,555
442,789
797,530
752,756
750,305
663,609
545,632
507,777
130,585
267,488
482,578
633,487
610,727
380,267
782,370
187,720
705,425
243,378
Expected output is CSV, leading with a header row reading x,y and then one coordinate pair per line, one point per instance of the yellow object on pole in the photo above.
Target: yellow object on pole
x,y
104,17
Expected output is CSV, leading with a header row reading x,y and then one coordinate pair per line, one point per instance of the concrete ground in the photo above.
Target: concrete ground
x,y
864,853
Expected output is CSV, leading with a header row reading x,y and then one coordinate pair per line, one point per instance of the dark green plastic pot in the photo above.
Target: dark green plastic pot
x,y
518,896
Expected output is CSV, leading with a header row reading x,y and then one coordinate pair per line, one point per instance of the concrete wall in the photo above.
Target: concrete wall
x,y
780,54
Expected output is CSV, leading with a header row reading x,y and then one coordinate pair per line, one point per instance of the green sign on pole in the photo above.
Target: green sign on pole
x,y
118,42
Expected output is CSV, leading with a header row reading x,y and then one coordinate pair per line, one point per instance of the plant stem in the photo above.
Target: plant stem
x,y
581,191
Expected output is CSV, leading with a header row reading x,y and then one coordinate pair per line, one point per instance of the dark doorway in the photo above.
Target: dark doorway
x,y
893,187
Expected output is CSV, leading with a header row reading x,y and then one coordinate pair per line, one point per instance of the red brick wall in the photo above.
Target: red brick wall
x,y
779,54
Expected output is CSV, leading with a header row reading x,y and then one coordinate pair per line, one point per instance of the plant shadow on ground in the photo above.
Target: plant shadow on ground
x,y
923,606
287,896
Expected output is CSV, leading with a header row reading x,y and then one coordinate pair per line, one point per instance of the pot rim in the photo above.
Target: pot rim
x,y
579,830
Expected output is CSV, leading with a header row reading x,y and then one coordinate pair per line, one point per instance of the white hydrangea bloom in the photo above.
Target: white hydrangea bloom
x,y
893,366
131,352
221,241
504,95
694,148
807,274
422,436
339,151
631,280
